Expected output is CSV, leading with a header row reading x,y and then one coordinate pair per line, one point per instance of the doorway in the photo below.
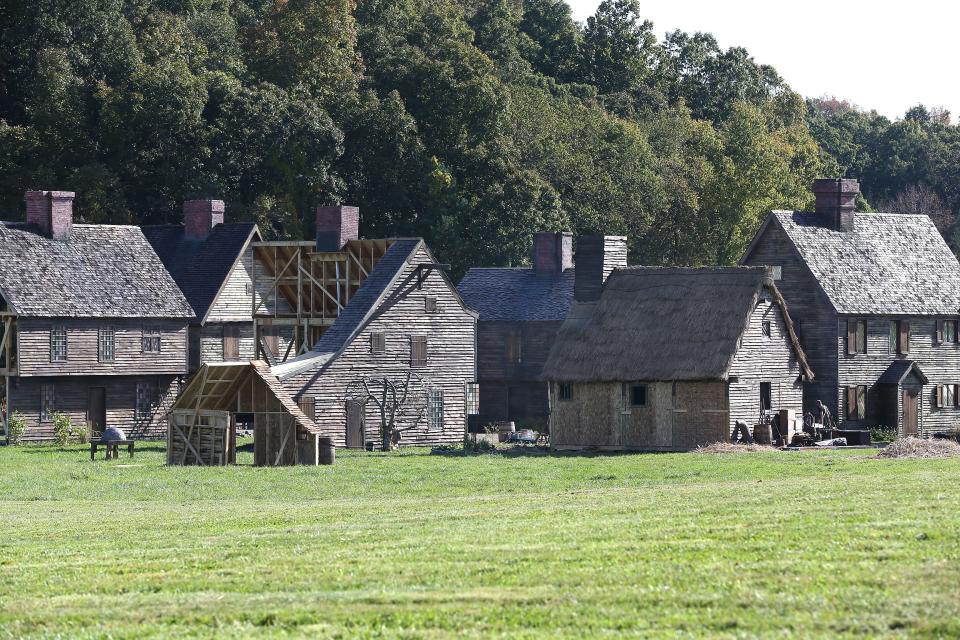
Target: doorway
x,y
354,425
97,409
911,423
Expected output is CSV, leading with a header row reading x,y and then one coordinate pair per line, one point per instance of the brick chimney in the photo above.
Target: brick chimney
x,y
552,252
336,225
51,211
836,202
201,216
597,257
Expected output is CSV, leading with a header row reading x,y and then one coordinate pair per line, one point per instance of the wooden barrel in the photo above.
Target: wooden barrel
x,y
327,451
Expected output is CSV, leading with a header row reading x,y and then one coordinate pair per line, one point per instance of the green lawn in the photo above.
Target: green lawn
x,y
411,545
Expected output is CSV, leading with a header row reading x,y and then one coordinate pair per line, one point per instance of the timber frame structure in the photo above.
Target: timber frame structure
x,y
304,290
202,424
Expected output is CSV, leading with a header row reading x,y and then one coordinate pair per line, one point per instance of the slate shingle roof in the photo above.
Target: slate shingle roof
x,y
200,266
517,294
661,323
105,271
889,264
355,314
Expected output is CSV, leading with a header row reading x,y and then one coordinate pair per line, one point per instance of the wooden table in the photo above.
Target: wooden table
x,y
111,446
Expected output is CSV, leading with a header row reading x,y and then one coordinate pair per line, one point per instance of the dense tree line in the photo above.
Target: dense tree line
x,y
471,122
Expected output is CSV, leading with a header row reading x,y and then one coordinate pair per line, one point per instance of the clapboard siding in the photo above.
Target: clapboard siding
x,y
235,302
71,395
814,317
939,362
211,341
514,390
677,417
451,335
764,359
82,336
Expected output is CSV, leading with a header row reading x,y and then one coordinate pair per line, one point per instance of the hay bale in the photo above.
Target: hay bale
x,y
920,448
726,447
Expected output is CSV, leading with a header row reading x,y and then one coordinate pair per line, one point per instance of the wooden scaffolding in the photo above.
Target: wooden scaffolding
x,y
301,291
202,423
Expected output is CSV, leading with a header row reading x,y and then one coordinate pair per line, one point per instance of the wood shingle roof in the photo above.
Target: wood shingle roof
x,y
896,264
517,294
106,271
200,265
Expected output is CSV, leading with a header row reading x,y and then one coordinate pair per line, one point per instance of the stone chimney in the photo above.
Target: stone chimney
x,y
201,216
336,225
51,211
836,202
552,252
597,257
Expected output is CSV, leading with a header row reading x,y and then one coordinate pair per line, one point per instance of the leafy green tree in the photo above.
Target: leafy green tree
x,y
618,47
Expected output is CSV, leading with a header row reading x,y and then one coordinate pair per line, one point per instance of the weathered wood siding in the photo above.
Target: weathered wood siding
x,y
677,417
513,390
764,359
451,335
211,341
82,335
71,396
939,362
235,302
811,311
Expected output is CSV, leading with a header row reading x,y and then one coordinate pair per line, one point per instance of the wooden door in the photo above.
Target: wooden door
x,y
97,409
910,418
354,425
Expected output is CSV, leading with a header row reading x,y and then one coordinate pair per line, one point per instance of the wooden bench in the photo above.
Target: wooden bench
x,y
111,448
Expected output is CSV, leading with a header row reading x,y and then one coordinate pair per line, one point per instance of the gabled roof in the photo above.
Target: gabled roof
x,y
363,305
654,323
201,266
895,264
517,294
898,371
100,271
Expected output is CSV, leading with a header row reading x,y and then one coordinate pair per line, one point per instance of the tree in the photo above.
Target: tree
x,y
617,47
921,199
402,403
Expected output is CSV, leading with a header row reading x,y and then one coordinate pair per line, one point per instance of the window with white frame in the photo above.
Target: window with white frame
x,y
436,409
151,340
776,272
106,344
58,343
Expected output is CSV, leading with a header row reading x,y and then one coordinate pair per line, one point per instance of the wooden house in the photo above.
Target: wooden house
x,y
671,358
521,310
876,298
212,262
357,311
93,325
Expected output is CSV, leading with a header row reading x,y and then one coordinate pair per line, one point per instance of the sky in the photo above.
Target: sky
x,y
881,55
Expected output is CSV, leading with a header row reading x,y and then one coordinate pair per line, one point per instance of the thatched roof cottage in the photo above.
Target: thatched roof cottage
x,y
671,358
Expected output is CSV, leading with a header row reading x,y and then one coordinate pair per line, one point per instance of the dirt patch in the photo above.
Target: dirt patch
x,y
726,447
920,448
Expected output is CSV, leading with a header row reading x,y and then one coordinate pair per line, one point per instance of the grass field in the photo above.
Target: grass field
x,y
411,545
